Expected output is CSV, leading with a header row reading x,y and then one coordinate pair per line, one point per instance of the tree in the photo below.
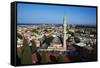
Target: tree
x,y
33,47
43,57
26,53
94,53
70,32
60,58
48,40
19,36
19,53
35,31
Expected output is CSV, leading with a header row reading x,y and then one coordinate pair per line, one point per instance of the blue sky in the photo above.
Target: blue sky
x,y
51,14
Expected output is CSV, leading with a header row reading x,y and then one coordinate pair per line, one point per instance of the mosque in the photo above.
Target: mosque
x,y
56,44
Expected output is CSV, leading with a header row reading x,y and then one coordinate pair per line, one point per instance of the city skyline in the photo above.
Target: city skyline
x,y
50,14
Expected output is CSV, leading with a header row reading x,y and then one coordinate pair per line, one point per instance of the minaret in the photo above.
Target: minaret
x,y
65,26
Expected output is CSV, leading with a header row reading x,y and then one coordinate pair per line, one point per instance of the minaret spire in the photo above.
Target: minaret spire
x,y
64,39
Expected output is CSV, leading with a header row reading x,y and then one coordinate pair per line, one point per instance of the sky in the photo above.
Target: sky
x,y
53,14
